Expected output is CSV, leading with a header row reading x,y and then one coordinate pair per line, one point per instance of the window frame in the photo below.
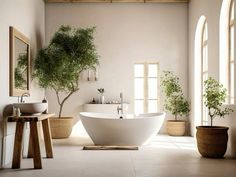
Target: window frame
x,y
225,45
146,87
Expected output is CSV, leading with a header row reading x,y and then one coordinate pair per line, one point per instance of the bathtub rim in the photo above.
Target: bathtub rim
x,y
94,115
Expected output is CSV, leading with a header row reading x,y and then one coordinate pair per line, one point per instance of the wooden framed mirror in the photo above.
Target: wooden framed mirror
x,y
19,63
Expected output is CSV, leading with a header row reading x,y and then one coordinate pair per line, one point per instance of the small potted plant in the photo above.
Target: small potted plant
x,y
101,95
58,67
175,103
212,140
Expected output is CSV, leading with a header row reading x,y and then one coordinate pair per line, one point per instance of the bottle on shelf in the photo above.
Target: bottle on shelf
x,y
45,101
17,112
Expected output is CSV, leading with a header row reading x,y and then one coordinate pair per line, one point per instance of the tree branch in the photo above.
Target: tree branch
x,y
68,96
58,98
63,101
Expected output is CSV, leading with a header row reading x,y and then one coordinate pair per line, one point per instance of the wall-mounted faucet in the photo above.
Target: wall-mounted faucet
x,y
120,108
24,95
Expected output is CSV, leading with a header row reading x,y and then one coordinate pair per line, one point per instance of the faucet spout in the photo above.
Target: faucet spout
x,y
26,94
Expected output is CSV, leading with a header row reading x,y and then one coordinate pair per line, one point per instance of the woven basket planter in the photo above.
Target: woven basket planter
x,y
176,127
61,127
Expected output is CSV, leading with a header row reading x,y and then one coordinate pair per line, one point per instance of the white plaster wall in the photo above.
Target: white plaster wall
x,y
28,16
211,10
126,33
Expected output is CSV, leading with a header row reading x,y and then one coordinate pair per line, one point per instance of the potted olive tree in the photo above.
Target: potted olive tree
x,y
175,103
58,67
212,140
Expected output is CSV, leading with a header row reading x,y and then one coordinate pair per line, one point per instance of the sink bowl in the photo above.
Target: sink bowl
x,y
31,108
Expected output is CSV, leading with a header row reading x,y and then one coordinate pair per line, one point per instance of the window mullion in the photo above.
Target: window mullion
x,y
231,24
145,88
205,43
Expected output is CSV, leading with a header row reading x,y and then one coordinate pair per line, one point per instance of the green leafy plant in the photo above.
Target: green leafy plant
x,y
175,102
59,65
215,96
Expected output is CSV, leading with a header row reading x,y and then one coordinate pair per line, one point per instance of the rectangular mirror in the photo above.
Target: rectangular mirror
x,y
19,63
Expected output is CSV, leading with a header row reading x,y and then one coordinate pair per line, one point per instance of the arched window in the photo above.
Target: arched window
x,y
231,54
204,70
227,48
200,71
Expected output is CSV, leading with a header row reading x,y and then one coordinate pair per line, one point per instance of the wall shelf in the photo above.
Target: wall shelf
x,y
104,108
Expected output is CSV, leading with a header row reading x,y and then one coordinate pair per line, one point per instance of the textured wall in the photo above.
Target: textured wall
x,y
126,33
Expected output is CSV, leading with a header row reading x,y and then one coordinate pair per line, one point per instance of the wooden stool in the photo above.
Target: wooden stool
x,y
34,147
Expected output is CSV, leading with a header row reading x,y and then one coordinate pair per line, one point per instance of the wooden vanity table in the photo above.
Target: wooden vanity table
x,y
34,146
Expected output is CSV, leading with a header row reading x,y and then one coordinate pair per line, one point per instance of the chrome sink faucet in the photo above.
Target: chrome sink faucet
x,y
24,95
120,108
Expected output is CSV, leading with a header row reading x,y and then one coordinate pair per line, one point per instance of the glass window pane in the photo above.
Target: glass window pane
x,y
138,106
152,106
138,70
152,88
205,115
203,55
204,58
204,77
204,67
152,70
232,101
139,88
232,43
205,32
232,12
232,80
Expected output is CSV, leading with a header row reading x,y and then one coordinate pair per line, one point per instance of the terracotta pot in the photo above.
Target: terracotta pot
x,y
176,127
61,127
212,141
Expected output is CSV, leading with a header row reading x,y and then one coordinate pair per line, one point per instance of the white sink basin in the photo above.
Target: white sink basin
x,y
31,108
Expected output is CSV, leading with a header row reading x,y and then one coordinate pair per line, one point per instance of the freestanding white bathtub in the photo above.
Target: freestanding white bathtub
x,y
132,130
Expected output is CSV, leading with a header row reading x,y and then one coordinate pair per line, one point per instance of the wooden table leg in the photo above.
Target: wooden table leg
x,y
17,153
47,138
30,148
35,145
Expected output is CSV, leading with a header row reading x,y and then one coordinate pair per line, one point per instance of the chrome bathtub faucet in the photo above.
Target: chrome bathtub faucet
x,y
120,108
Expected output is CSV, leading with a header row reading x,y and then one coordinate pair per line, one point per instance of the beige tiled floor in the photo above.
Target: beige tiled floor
x,y
165,156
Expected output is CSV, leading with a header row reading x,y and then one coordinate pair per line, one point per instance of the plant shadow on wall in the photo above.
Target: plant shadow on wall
x,y
59,65
175,103
212,140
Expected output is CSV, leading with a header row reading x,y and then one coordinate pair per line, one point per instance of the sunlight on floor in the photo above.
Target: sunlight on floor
x,y
79,131
170,142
